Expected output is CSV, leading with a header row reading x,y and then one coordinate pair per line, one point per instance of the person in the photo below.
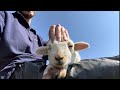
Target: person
x,y
18,43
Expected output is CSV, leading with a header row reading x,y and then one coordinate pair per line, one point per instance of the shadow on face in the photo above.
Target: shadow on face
x,y
28,14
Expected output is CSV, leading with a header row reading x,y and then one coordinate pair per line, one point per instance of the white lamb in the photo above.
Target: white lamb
x,y
60,55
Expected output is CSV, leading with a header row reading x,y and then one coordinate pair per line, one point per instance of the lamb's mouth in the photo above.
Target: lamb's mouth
x,y
61,63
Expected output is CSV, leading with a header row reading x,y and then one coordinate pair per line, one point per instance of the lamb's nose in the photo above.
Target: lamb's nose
x,y
58,58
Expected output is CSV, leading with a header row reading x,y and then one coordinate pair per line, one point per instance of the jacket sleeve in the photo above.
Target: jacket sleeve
x,y
42,42
2,21
100,68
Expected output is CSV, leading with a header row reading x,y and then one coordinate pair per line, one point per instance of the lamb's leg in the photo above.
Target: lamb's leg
x,y
48,72
52,72
62,73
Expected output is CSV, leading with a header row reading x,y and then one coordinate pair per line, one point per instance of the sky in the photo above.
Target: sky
x,y
98,28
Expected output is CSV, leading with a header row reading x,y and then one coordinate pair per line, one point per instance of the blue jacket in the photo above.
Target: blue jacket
x,y
18,42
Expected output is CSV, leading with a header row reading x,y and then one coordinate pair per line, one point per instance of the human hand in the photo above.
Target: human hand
x,y
58,32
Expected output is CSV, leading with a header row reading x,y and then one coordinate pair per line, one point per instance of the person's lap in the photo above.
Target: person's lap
x,y
103,68
29,70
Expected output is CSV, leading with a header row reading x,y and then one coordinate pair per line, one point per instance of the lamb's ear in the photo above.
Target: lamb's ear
x,y
43,50
80,46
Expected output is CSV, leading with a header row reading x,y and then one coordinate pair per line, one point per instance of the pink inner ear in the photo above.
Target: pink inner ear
x,y
81,45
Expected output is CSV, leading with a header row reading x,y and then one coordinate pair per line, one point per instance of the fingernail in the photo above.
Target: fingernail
x,y
59,39
59,25
65,39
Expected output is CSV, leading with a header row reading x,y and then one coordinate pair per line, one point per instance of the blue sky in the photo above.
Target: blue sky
x,y
99,28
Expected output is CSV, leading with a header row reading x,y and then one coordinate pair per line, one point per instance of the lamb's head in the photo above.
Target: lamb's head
x,y
60,53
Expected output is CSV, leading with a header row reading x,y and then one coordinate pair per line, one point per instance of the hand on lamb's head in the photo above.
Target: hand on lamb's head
x,y
59,33
61,54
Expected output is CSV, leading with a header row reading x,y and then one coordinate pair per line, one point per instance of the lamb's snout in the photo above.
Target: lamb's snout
x,y
59,58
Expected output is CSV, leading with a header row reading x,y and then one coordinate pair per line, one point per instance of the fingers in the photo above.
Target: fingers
x,y
52,32
67,35
64,33
58,32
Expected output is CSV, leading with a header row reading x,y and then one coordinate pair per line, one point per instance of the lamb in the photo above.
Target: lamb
x,y
60,55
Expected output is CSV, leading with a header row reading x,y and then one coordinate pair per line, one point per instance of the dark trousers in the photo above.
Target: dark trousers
x,y
29,70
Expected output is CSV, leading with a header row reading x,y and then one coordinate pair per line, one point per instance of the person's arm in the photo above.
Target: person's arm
x,y
2,23
99,68
42,42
